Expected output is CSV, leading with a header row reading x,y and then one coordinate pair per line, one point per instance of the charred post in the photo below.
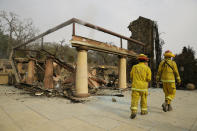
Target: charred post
x,y
48,78
30,72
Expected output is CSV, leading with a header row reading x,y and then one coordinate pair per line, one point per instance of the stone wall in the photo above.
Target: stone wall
x,y
146,31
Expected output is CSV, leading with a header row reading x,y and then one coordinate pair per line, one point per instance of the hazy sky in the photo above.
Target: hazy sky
x,y
177,19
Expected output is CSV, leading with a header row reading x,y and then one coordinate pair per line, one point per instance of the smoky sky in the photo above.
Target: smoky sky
x,y
176,19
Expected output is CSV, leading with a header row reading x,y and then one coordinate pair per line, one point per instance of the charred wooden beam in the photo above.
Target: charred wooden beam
x,y
11,58
21,60
61,63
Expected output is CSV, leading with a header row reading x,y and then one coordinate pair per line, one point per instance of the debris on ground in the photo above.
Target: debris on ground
x,y
102,80
114,100
39,93
190,86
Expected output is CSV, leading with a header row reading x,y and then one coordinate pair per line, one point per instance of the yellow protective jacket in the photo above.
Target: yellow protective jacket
x,y
166,73
140,76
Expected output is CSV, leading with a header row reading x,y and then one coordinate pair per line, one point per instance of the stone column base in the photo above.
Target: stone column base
x,y
80,95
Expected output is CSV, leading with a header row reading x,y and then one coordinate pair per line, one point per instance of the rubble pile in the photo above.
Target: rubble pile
x,y
63,76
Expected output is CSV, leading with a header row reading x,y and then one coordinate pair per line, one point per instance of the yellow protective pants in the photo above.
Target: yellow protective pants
x,y
135,98
169,90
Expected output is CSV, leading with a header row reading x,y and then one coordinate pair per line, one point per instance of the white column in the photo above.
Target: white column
x,y
122,83
82,74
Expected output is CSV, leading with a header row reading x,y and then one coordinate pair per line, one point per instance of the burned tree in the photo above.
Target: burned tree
x,y
18,31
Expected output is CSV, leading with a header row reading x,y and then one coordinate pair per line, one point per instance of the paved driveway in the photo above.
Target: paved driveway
x,y
22,112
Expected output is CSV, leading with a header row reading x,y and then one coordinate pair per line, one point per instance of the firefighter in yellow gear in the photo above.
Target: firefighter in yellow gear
x,y
140,76
167,73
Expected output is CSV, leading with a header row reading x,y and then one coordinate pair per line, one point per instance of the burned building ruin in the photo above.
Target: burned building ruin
x,y
146,31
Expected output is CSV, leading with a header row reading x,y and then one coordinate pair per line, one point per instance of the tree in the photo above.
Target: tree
x,y
4,45
18,30
63,52
101,58
187,65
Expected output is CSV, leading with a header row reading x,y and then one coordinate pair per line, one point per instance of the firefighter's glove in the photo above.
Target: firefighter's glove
x,y
157,80
179,82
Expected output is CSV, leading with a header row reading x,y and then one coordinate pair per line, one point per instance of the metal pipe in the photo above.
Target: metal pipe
x,y
73,28
120,42
42,41
46,33
106,31
74,20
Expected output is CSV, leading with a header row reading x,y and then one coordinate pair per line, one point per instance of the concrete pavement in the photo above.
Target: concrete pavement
x,y
21,112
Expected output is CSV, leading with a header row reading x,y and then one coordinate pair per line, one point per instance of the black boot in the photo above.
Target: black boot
x,y
164,106
169,107
133,115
